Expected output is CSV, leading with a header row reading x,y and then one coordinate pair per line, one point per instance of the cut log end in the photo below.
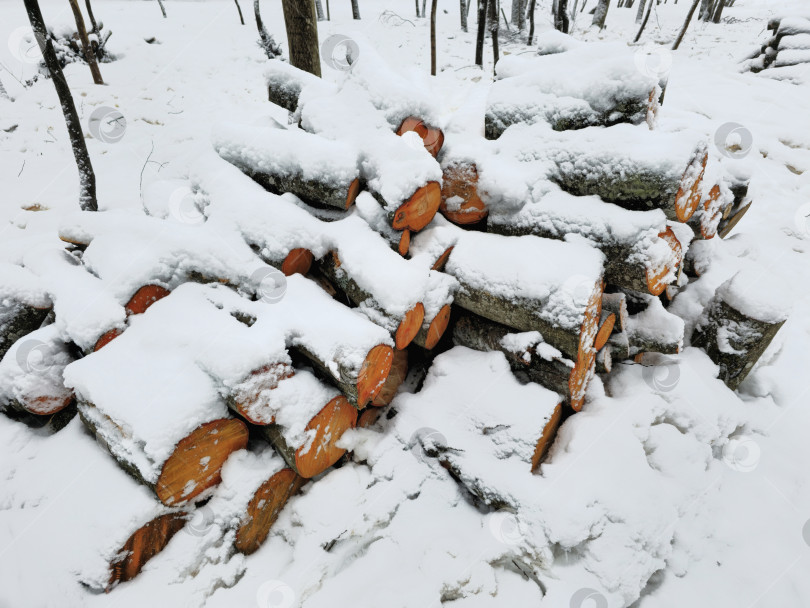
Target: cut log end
x,y
373,373
440,263
404,243
419,209
608,321
195,464
688,197
298,261
583,369
247,402
106,338
264,508
144,298
604,360
399,371
437,327
409,326
657,278
460,201
145,543
329,425
354,190
46,405
547,438
432,137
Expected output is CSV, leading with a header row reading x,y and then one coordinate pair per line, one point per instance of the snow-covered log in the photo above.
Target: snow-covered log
x,y
617,304
642,252
490,431
631,167
504,279
399,371
740,322
432,246
526,353
460,201
286,82
604,360
573,90
317,170
607,322
31,377
24,304
432,137
652,328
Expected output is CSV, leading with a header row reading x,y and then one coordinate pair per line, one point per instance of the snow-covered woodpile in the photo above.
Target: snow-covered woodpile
x,y
786,54
331,260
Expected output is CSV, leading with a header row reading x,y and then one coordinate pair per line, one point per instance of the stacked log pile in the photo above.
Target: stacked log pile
x,y
786,53
336,259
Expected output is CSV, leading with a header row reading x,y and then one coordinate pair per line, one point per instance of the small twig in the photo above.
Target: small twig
x,y
505,20
21,169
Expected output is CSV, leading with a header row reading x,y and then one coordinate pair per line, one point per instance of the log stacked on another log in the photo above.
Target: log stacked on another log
x,y
24,304
740,322
785,55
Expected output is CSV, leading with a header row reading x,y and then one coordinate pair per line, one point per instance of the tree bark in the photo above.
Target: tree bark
x,y
87,178
561,20
494,26
433,37
718,11
644,22
640,11
92,17
268,44
463,13
685,25
482,28
356,9
319,9
532,6
600,14
302,34
89,55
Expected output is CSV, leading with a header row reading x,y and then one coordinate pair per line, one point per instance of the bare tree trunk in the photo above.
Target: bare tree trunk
x,y
328,13
162,8
417,9
640,11
705,10
319,9
685,25
89,55
718,12
302,34
92,18
433,37
560,14
424,11
87,178
481,35
268,43
356,10
644,23
519,14
239,8
494,26
600,14
463,12
532,5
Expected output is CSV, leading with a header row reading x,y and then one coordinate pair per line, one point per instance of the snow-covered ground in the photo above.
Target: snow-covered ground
x,y
666,490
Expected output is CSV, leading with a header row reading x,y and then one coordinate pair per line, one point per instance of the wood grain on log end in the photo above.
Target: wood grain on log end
x,y
264,508
373,373
397,375
354,190
460,181
144,298
606,324
429,336
432,137
404,243
298,261
418,211
329,425
146,542
195,464
409,326
545,441
688,197
106,338
440,263
657,278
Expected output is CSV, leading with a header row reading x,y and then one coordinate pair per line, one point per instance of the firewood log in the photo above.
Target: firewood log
x,y
31,374
740,322
315,169
399,371
562,301
728,224
717,199
631,167
460,201
432,246
490,432
433,137
604,360
608,90
606,323
526,353
285,84
24,304
653,328
642,252
433,328
617,304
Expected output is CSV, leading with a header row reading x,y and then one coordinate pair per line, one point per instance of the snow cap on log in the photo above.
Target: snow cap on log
x,y
24,304
315,169
285,84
